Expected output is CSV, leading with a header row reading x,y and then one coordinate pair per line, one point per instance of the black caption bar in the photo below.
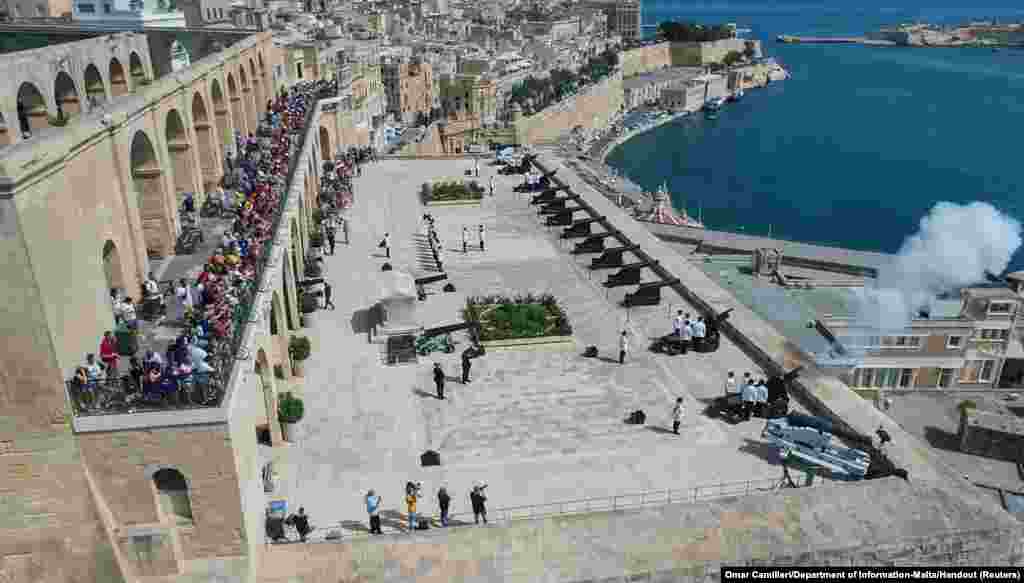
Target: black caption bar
x,y
822,574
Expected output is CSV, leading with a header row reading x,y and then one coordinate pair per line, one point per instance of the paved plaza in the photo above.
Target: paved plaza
x,y
539,425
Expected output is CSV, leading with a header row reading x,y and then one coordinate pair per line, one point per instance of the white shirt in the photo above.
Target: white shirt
x,y
623,344
481,234
698,329
152,288
465,236
750,393
687,331
730,385
677,323
678,411
387,240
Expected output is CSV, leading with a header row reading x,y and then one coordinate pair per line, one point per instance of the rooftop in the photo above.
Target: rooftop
x,y
672,74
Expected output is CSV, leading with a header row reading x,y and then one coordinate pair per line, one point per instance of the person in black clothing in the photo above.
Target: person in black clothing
x,y
439,380
328,302
330,239
466,364
301,523
477,498
444,500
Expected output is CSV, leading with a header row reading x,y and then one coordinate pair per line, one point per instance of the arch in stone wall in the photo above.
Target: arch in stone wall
x,y
65,95
118,78
257,85
222,115
95,91
325,144
172,494
248,108
112,268
289,293
209,158
179,147
32,111
137,69
148,181
235,99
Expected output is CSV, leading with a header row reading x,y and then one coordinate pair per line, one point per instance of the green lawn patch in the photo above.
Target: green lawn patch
x,y
521,316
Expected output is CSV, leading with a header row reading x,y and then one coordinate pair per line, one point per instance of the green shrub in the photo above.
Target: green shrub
x,y
290,409
279,371
299,347
58,122
965,405
521,316
450,191
318,216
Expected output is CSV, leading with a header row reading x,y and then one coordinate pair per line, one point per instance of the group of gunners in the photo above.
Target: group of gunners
x,y
752,393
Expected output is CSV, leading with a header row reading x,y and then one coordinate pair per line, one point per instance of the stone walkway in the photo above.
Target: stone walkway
x,y
540,425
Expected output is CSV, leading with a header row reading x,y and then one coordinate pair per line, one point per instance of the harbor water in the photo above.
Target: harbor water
x,y
861,141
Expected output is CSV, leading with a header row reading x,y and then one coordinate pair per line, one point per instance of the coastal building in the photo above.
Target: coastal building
x,y
694,92
409,87
648,88
970,342
35,8
129,14
206,12
555,29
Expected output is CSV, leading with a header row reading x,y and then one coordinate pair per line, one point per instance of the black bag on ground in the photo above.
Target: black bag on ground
x,y
590,352
637,417
381,244
422,525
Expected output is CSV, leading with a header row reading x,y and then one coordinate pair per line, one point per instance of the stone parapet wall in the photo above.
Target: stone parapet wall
x,y
590,109
645,59
875,523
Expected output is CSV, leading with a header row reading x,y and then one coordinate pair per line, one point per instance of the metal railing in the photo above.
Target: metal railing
x,y
116,396
396,521
126,395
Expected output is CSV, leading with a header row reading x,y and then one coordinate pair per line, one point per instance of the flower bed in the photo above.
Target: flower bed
x,y
452,191
519,317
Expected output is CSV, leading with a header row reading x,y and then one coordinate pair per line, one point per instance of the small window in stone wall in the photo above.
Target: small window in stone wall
x,y
172,492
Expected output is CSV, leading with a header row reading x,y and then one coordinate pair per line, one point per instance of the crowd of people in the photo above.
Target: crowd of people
x,y
210,308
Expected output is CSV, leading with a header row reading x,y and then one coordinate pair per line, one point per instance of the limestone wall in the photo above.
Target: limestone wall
x,y
645,59
591,108
875,523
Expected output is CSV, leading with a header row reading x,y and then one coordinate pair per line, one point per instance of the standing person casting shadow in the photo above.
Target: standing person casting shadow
x,y
439,380
466,365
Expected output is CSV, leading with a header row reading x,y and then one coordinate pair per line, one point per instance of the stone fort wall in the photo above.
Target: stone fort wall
x,y
591,108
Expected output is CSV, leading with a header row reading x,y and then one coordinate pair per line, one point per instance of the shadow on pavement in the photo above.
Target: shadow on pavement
x,y
660,429
761,450
942,439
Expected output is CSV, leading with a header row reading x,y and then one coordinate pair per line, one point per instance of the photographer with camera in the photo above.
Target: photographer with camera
x,y
477,498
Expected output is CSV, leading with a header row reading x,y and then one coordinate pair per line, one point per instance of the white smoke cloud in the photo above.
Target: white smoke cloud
x,y
955,246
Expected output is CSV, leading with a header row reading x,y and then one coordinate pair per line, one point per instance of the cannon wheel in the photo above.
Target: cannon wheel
x,y
449,349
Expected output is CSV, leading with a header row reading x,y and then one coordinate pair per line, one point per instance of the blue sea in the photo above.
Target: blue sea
x,y
858,145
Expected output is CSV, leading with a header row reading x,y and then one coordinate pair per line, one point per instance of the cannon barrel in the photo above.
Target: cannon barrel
x,y
546,196
792,375
723,316
310,282
552,207
622,249
659,284
638,265
589,221
612,257
450,328
562,219
431,279
600,236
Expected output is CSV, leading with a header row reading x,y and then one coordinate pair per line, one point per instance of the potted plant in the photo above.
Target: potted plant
x,y
290,410
299,348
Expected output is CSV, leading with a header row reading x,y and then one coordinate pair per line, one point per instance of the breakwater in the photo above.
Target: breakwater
x,y
832,40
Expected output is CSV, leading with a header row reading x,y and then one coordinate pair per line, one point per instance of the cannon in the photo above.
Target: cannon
x,y
563,218
440,338
648,294
731,407
421,282
628,275
546,196
713,335
593,244
580,228
552,207
612,257
809,440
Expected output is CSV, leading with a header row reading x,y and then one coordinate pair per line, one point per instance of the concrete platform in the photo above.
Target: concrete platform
x,y
538,425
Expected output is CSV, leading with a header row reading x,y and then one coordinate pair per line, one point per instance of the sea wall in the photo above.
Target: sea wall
x,y
591,108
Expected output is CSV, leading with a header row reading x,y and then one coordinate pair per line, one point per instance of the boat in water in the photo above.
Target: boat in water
x,y
712,107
